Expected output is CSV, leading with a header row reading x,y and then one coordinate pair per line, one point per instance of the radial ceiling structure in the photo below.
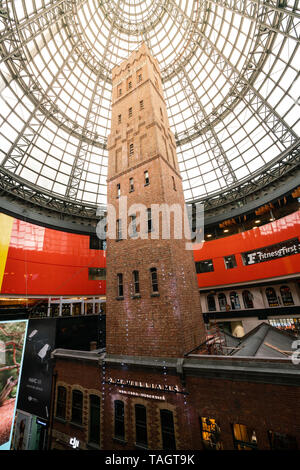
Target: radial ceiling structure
x,y
230,71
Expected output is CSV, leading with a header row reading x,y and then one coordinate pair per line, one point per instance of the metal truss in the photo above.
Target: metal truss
x,y
211,136
11,51
82,150
288,162
242,88
135,28
20,189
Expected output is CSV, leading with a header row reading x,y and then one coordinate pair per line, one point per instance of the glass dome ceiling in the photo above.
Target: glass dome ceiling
x,y
230,71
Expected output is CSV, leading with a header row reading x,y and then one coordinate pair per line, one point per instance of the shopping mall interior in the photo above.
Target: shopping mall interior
x,y
149,225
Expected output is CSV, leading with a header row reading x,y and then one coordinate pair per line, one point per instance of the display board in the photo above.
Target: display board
x,y
36,380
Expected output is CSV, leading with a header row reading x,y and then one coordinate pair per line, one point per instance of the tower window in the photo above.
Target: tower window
x,y
174,184
146,175
131,185
149,220
129,85
154,280
131,150
118,190
139,77
120,91
133,231
120,285
142,104
136,282
130,112
119,119
119,229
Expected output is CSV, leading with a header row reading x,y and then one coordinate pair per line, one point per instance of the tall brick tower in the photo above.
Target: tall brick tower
x,y
153,303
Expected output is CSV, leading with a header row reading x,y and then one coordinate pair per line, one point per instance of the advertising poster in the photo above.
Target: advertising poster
x,y
12,339
22,431
36,379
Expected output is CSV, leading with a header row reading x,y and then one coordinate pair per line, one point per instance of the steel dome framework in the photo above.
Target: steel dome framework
x,y
230,71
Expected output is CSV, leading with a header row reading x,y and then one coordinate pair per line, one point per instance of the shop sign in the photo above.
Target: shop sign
x,y
145,385
268,253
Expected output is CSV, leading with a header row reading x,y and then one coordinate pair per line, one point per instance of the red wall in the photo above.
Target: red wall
x,y
43,261
280,230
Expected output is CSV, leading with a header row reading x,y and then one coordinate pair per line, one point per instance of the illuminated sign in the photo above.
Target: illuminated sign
x,y
268,253
145,386
74,442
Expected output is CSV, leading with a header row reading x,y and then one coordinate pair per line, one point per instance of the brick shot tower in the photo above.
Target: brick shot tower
x,y
153,303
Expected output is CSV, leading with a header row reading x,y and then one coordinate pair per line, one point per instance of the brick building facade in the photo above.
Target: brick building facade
x,y
252,401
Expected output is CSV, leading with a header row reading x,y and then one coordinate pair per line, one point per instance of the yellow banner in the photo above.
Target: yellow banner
x,y
6,224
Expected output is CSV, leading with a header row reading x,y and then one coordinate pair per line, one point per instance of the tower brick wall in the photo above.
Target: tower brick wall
x,y
143,169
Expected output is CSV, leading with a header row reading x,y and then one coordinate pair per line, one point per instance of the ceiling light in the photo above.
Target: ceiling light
x,y
257,221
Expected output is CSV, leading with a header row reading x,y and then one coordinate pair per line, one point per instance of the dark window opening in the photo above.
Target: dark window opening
x,y
222,301
61,402
136,282
154,279
119,229
141,425
204,266
77,402
94,421
272,297
131,150
133,229
167,430
131,185
280,441
248,299
234,301
211,303
230,262
96,243
146,175
120,285
286,296
119,420
149,220
97,274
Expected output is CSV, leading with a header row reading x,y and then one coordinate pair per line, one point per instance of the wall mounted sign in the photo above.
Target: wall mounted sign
x,y
145,386
268,253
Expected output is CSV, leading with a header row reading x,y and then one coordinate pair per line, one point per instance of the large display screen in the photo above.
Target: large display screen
x,y
12,340
36,381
